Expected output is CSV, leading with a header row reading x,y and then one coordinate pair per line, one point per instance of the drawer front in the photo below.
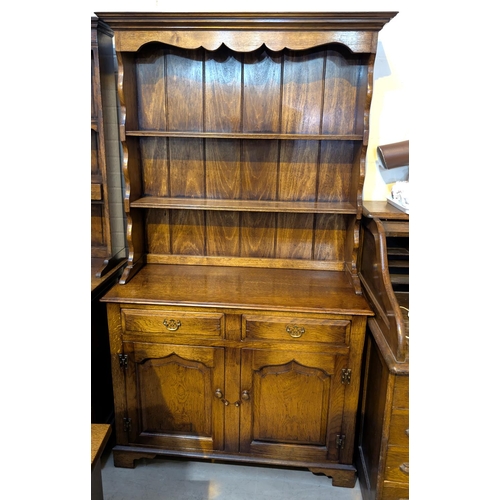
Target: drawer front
x,y
397,465
399,429
401,397
296,329
396,228
172,322
395,492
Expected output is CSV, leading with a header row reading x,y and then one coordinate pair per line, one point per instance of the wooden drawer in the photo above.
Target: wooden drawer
x,y
296,329
173,322
398,431
401,398
96,191
397,465
395,492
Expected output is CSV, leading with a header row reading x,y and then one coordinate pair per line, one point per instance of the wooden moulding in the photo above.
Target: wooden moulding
x,y
245,32
379,291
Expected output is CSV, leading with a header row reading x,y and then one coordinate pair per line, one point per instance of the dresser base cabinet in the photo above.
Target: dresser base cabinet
x,y
236,381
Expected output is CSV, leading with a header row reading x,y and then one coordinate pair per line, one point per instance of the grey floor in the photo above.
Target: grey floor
x,y
161,478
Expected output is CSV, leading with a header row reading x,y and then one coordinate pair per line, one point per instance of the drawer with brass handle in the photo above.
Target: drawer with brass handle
x,y
261,327
397,466
401,397
172,322
399,432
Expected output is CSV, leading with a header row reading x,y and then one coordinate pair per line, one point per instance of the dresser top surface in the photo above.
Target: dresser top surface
x,y
383,210
242,288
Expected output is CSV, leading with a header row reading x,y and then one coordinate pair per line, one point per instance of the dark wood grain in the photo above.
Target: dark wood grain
x,y
184,81
223,70
151,88
298,170
187,168
259,170
262,91
155,166
345,83
302,92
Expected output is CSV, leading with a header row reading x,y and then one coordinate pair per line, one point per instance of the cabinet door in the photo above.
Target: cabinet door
x,y
171,396
292,404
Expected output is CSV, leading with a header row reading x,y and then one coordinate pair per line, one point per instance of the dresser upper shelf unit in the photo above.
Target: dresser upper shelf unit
x,y
244,136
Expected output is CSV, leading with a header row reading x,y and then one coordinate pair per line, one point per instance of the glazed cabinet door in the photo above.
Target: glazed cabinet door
x,y
292,404
171,396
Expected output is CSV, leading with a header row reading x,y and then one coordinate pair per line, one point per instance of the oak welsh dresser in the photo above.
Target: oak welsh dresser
x,y
238,325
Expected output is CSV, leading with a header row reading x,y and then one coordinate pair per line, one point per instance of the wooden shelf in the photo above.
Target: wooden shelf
x,y
400,264
244,205
397,251
244,135
400,279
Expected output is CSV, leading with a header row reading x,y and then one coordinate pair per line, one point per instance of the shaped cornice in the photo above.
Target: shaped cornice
x,y
246,32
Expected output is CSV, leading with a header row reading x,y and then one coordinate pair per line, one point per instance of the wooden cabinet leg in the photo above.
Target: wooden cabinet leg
x,y
340,478
126,459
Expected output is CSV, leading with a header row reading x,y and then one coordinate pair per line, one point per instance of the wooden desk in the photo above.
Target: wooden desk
x,y
100,434
383,423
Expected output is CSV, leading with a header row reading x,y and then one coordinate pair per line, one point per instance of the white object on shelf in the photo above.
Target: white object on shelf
x,y
400,196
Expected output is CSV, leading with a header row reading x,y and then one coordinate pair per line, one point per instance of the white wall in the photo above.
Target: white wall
x,y
389,114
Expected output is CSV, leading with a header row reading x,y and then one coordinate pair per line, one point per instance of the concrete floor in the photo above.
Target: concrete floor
x,y
161,478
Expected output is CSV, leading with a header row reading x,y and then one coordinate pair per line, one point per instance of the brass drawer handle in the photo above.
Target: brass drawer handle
x,y
295,331
405,467
172,324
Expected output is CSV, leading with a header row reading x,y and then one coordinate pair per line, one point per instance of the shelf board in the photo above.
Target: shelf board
x,y
397,251
400,279
245,205
400,264
244,135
